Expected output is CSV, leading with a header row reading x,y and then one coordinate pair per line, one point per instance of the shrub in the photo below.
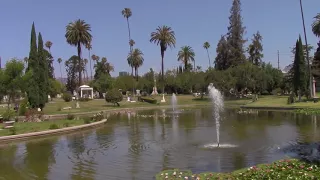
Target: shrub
x,y
8,115
277,91
70,117
12,131
23,107
114,96
67,97
54,126
148,100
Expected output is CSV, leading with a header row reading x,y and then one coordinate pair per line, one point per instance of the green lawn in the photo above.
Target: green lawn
x,y
284,169
27,127
56,106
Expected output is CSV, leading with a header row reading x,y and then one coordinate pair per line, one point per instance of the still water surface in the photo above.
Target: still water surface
x,y
137,145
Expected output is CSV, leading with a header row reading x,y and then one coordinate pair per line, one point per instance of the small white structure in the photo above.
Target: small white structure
x,y
86,88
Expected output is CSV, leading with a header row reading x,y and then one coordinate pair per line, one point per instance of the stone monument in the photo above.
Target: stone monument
x,y
154,89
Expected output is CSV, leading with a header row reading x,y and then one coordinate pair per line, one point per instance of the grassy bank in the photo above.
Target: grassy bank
x,y
28,127
284,169
57,105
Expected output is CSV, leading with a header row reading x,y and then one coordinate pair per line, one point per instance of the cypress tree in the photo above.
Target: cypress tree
x,y
235,34
299,70
222,61
43,80
33,66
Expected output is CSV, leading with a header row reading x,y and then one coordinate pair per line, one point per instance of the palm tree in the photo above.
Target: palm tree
x,y
185,55
77,34
163,36
85,72
59,61
127,13
89,47
48,44
136,57
316,25
206,45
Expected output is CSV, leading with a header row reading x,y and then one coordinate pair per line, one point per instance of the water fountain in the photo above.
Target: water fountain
x,y
174,102
217,103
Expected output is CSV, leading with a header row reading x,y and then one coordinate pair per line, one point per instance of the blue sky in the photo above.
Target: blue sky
x,y
194,22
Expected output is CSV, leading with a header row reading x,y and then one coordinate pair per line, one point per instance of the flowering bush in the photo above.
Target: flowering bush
x,y
284,169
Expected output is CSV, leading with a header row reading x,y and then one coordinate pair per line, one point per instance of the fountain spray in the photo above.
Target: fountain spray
x,y
217,107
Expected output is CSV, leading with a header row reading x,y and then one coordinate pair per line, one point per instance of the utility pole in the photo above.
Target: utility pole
x,y
278,61
307,51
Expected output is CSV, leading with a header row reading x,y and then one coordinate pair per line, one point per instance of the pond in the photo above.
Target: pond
x,y
137,145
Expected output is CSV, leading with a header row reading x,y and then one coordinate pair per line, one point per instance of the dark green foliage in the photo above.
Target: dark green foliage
x,y
53,126
86,121
49,59
222,62
235,34
148,100
103,83
67,97
114,96
316,63
43,79
300,77
33,90
72,68
23,107
255,50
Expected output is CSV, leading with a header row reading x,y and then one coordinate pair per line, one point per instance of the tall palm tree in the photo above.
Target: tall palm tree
x,y
127,13
59,61
85,72
48,44
78,34
316,25
165,37
136,57
206,45
89,47
185,55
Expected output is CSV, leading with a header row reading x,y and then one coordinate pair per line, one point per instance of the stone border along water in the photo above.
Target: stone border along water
x,y
25,136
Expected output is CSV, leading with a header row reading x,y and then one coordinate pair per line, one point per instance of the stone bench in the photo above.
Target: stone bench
x,y
8,124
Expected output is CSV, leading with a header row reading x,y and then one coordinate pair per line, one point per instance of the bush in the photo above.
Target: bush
x,y
70,117
148,100
12,131
8,115
67,97
277,91
54,126
23,107
114,96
